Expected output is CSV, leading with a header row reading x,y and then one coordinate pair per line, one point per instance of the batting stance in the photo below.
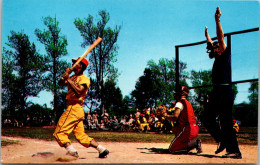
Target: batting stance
x,y
72,118
185,127
222,97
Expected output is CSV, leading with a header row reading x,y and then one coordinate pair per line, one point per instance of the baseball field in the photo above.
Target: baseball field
x,y
144,148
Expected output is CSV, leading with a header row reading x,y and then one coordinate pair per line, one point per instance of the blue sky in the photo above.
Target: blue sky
x,y
150,30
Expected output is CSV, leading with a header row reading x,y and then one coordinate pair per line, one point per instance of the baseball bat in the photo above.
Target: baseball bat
x,y
91,47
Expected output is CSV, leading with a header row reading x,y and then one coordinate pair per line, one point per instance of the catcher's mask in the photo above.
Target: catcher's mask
x,y
210,48
182,91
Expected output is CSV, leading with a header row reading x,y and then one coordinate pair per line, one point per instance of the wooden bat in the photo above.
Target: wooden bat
x,y
91,47
95,43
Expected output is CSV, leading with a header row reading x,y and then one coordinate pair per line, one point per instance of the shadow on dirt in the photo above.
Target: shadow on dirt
x,y
166,151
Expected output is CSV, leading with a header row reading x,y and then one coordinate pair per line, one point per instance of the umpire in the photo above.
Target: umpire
x,y
222,96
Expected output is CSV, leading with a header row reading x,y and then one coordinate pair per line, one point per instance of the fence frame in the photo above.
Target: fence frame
x,y
228,35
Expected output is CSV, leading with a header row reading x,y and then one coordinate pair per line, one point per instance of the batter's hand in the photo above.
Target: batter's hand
x,y
217,14
66,74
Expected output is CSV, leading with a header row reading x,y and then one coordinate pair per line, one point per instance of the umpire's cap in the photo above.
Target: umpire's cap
x,y
84,61
210,48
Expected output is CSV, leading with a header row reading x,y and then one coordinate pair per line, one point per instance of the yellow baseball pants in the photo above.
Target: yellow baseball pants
x,y
72,121
143,125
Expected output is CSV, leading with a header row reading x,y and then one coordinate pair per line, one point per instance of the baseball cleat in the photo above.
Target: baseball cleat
x,y
103,154
236,155
74,154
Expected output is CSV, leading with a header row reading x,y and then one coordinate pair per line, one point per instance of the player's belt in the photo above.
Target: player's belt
x,y
73,102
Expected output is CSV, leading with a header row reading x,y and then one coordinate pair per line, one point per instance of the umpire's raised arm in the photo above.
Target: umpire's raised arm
x,y
220,34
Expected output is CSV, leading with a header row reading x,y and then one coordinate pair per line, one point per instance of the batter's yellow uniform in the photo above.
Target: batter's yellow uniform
x,y
72,118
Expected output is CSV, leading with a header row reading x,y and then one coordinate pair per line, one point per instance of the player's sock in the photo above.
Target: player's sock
x,y
70,148
100,148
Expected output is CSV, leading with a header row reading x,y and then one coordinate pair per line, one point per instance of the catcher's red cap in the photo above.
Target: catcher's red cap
x,y
84,61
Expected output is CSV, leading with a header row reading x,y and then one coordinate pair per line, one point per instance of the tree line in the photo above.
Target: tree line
x,y
26,72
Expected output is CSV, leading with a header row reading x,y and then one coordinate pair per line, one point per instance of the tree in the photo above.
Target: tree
x,y
164,73
128,105
201,78
157,85
247,113
92,99
8,77
146,90
104,55
253,90
55,46
113,99
22,73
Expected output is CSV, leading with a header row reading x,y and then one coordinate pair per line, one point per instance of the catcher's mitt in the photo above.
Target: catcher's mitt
x,y
160,111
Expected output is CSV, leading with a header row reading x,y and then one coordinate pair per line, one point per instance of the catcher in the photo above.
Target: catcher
x,y
72,118
185,128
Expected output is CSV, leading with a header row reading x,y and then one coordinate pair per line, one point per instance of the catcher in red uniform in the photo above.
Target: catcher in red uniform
x,y
185,127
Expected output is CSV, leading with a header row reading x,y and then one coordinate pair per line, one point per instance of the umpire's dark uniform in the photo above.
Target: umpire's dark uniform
x,y
221,102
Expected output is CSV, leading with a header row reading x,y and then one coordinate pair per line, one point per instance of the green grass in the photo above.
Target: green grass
x,y
45,133
131,137
6,142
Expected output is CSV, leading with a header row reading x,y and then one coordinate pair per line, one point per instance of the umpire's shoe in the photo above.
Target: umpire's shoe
x,y
221,148
104,154
236,155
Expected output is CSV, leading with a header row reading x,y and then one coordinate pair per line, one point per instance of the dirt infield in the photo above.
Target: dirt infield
x,y
49,152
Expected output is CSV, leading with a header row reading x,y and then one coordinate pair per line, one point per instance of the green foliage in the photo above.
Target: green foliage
x,y
38,115
253,90
55,46
157,85
46,134
22,73
6,142
101,59
92,101
201,78
113,99
146,91
128,105
246,113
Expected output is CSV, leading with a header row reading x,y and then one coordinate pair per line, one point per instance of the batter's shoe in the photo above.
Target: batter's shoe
x,y
103,154
198,147
221,148
74,154
236,155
